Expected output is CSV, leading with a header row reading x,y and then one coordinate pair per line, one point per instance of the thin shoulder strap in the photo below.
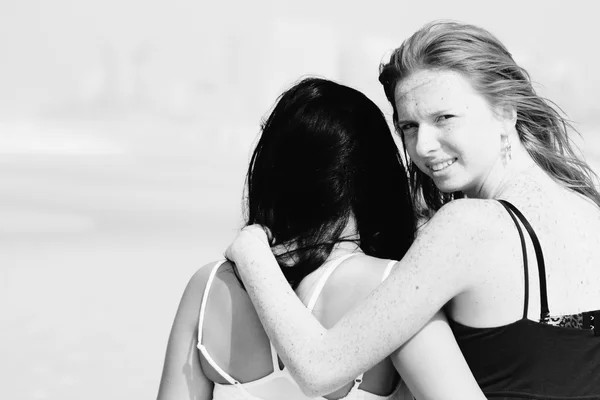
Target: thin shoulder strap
x,y
209,282
201,346
315,296
544,309
323,279
525,264
388,269
313,300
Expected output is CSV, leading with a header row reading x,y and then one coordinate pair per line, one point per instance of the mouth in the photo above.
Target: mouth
x,y
440,166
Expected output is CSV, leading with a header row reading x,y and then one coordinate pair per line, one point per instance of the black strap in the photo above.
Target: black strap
x,y
544,310
525,265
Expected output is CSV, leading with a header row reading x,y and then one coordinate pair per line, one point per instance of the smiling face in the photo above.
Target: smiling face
x,y
450,131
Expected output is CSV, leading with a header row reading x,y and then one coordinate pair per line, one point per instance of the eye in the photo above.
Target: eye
x,y
408,128
444,117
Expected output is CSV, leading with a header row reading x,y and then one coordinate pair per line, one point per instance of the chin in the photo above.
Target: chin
x,y
448,190
449,187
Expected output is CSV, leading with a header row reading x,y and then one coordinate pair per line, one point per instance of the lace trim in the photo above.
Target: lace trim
x,y
586,320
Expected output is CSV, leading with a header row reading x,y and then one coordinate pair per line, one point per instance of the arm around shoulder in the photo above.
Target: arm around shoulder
x,y
440,265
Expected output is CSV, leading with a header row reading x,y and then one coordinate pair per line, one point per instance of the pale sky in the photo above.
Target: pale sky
x,y
50,49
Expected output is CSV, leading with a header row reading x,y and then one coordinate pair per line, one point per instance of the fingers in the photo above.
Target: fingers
x,y
249,238
259,231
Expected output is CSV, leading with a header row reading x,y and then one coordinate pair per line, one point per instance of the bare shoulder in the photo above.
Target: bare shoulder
x,y
468,219
191,300
461,246
199,279
228,304
182,375
472,212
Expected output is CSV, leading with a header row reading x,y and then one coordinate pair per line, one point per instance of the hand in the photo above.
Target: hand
x,y
249,238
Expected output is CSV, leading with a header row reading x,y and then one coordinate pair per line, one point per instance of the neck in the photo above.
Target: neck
x,y
502,174
343,248
348,242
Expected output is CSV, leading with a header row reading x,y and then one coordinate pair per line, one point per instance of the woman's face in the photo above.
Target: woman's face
x,y
450,131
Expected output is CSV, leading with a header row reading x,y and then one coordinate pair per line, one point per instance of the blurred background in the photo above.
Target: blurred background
x,y
125,130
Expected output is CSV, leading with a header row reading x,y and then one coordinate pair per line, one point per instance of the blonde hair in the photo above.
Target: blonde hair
x,y
483,59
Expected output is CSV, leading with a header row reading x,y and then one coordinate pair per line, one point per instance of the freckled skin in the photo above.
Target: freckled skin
x,y
472,135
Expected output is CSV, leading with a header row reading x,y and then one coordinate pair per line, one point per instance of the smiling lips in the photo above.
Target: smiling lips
x,y
440,166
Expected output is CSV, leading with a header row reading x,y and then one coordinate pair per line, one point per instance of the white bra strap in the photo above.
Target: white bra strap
x,y
313,299
388,269
209,282
323,279
200,346
224,374
213,364
355,385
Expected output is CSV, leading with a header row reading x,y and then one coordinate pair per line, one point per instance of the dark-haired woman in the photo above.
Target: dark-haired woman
x,y
327,180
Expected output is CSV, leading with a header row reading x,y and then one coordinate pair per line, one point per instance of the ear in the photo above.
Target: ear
x,y
507,113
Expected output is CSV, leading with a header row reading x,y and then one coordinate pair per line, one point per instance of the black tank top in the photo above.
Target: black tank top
x,y
555,358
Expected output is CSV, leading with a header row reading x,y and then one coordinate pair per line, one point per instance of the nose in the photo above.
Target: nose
x,y
427,140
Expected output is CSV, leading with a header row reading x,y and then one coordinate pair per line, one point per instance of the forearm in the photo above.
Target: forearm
x,y
298,337
323,360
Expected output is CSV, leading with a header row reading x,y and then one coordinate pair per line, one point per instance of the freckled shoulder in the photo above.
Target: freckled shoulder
x,y
467,234
475,216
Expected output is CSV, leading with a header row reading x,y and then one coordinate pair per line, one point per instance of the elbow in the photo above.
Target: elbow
x,y
315,384
310,390
313,390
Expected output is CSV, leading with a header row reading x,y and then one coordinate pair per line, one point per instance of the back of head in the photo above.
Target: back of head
x,y
325,154
487,64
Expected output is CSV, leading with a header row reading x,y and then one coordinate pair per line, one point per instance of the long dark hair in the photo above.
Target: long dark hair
x,y
326,153
485,61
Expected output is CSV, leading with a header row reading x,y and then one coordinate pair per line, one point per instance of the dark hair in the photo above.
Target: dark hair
x,y
486,63
325,153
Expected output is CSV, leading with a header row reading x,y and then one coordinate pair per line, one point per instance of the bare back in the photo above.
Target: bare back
x,y
568,227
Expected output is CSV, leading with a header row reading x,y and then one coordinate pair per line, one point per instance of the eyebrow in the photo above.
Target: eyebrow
x,y
428,115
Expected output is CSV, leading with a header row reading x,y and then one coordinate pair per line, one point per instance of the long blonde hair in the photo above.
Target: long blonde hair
x,y
483,59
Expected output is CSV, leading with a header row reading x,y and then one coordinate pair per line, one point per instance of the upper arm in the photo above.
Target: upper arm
x,y
432,365
182,376
447,259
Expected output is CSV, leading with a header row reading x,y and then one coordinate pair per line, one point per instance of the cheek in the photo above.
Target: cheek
x,y
483,137
486,150
410,145
490,125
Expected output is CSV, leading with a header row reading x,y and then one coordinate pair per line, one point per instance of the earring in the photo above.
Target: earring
x,y
506,149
